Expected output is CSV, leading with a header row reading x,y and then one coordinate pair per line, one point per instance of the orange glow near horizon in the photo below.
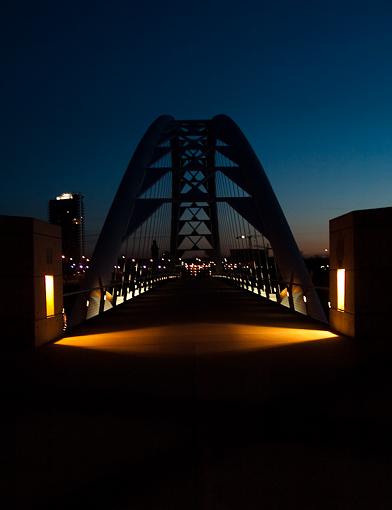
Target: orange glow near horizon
x,y
196,339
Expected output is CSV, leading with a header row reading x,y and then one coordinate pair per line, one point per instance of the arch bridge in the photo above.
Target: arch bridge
x,y
195,200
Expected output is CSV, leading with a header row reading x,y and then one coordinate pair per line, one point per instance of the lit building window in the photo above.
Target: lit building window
x,y
49,295
65,196
341,287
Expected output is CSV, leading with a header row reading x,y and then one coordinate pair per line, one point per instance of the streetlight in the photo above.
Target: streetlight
x,y
249,236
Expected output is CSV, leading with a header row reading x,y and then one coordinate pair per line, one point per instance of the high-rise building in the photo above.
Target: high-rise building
x,y
67,210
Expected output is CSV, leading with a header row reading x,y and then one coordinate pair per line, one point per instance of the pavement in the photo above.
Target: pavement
x,y
199,395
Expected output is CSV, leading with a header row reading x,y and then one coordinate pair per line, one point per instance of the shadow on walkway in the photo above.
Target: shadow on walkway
x,y
207,398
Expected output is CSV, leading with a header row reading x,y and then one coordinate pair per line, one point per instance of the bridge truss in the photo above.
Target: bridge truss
x,y
196,189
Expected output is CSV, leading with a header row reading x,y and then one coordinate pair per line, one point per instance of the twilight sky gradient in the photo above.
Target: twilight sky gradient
x,y
308,82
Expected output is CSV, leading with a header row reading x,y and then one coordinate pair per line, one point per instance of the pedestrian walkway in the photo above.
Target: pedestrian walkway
x,y
199,395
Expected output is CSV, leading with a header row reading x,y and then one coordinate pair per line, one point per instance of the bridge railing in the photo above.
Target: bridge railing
x,y
88,303
289,294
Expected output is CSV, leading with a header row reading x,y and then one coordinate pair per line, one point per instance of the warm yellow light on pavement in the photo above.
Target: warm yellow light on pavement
x,y
196,339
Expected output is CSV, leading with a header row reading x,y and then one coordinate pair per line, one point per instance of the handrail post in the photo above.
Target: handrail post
x,y
114,298
102,296
290,295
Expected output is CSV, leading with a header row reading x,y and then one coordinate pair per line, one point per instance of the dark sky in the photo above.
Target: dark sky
x,y
309,83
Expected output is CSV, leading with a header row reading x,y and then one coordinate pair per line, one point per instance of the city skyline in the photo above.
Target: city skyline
x,y
308,84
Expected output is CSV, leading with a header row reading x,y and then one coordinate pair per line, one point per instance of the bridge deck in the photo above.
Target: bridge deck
x,y
199,395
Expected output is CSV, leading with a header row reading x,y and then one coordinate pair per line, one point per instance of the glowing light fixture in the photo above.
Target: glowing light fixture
x,y
49,295
341,287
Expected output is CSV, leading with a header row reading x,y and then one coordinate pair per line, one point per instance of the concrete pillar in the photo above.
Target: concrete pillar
x,y
32,284
360,271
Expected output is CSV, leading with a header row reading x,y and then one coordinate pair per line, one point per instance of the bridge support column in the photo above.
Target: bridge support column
x,y
360,271
32,282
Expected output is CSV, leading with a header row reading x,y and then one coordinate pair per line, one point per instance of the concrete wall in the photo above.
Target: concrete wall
x,y
361,243
30,250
